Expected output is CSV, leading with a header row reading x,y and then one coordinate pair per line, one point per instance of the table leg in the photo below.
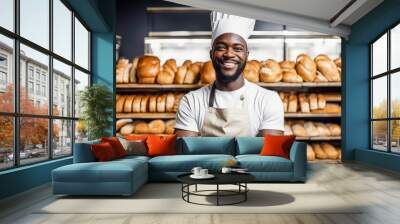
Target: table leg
x,y
196,187
217,194
245,193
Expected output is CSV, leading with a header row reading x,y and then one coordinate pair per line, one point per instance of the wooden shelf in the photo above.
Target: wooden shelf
x,y
301,115
319,138
331,161
181,87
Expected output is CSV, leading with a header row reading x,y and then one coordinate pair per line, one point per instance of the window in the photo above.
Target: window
x,y
385,96
47,76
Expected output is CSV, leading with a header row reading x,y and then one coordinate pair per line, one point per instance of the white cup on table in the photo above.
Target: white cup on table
x,y
203,172
196,171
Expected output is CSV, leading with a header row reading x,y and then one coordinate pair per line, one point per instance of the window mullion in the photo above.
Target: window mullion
x,y
73,82
389,101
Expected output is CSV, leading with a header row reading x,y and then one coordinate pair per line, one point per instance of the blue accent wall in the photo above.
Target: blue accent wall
x,y
356,126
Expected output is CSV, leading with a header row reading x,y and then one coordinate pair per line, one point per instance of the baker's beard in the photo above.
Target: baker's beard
x,y
221,77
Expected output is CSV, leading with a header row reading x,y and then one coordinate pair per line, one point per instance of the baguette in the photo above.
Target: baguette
x,y
319,152
329,150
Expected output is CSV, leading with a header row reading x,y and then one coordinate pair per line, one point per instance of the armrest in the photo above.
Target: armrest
x,y
298,155
83,152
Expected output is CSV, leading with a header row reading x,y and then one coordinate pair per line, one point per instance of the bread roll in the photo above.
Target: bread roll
x,y
122,122
334,129
153,104
128,104
127,129
299,130
291,76
310,153
320,77
287,65
147,69
329,150
207,74
180,75
306,67
171,64
338,62
250,72
292,107
119,106
156,127
256,64
144,104
136,104
328,68
170,127
304,103
311,130
323,130
288,130
132,73
339,152
141,128
319,152
332,108
161,103
169,103
177,100
192,74
270,71
187,63
313,101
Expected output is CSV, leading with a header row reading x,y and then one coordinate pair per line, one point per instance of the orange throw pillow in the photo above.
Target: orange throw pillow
x,y
277,145
116,145
161,145
136,137
103,151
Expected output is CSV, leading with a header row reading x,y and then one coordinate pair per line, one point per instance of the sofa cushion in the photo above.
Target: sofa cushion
x,y
161,145
185,163
257,163
83,152
103,152
249,145
207,145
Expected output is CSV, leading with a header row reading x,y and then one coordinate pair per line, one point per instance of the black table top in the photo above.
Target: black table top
x,y
220,178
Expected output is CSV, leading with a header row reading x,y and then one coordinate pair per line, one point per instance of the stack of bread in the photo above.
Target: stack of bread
x,y
161,103
323,150
129,127
301,128
294,102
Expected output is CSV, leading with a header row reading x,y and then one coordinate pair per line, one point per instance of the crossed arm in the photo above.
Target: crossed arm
x,y
185,133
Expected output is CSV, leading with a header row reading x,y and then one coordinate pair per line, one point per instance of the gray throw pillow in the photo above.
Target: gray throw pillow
x,y
134,147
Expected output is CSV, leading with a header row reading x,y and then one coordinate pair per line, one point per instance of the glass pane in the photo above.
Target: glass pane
x,y
395,47
259,48
395,136
6,74
35,21
395,94
379,97
81,132
7,14
81,81
62,138
81,45
33,139
379,135
312,47
34,97
62,29
62,89
379,55
6,142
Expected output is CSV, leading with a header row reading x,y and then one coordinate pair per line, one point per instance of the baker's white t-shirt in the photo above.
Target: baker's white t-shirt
x,y
264,107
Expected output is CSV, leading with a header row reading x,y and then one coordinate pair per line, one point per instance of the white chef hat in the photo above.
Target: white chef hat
x,y
224,23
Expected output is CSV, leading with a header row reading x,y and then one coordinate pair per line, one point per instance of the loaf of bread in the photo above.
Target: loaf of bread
x,y
313,101
132,73
338,62
128,104
256,64
170,127
171,64
127,129
310,153
177,100
167,73
333,97
120,69
291,76
288,130
299,130
187,63
320,77
292,106
144,104
321,101
329,150
141,127
207,74
136,104
332,108
327,67
250,72
153,104
319,152
147,69
121,122
169,102
311,130
161,103
156,127
287,65
180,75
304,103
334,129
270,71
119,106
323,130
306,67
193,73
339,152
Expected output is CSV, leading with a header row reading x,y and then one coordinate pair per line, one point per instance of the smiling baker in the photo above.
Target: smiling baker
x,y
231,106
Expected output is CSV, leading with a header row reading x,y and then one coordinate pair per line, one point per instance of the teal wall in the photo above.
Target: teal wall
x,y
355,53
100,16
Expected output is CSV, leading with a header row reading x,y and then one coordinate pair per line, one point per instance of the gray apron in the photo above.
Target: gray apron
x,y
226,121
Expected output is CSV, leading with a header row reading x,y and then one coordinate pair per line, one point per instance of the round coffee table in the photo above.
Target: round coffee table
x,y
238,179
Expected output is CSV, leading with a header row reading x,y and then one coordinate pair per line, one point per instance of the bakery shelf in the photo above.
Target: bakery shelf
x,y
301,115
146,115
319,138
332,161
302,84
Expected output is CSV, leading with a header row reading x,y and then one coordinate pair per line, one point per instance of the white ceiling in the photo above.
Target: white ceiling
x,y
311,15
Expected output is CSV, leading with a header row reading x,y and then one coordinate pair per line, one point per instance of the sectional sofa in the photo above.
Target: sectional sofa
x,y
125,176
